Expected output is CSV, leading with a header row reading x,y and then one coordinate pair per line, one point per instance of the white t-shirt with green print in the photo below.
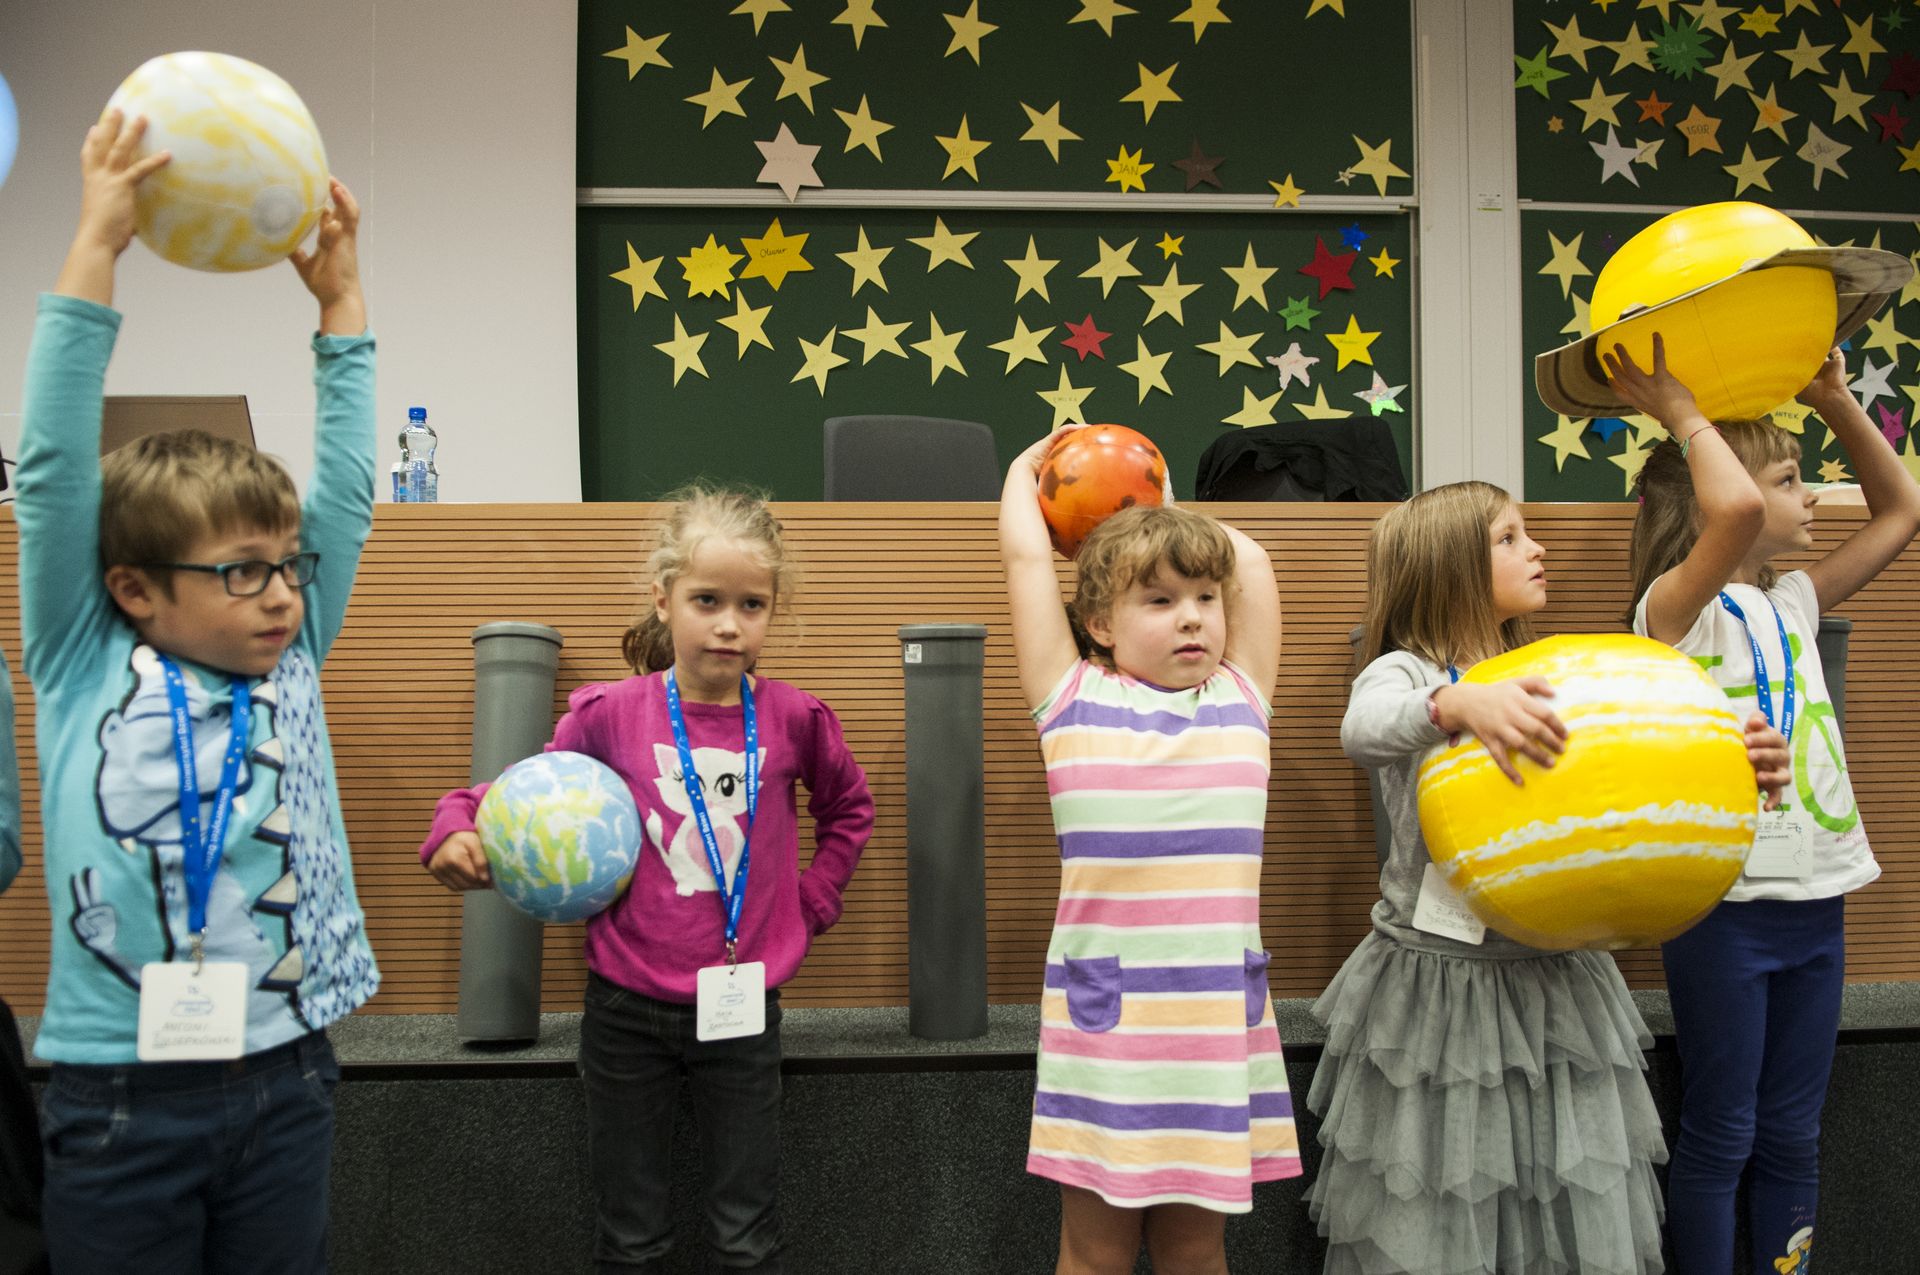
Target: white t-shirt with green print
x,y
1821,788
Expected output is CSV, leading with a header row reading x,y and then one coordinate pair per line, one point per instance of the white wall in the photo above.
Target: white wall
x,y
454,125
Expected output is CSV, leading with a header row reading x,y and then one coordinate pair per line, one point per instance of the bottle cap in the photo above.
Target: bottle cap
x,y
416,413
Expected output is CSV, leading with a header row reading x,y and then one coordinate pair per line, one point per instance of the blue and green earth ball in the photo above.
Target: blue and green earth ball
x,y
561,835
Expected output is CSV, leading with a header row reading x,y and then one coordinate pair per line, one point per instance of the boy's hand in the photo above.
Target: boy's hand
x,y
332,270
1829,384
460,863
108,218
1657,393
1506,717
1772,759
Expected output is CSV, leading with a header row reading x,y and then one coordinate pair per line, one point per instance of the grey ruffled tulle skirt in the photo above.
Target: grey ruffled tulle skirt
x,y
1484,1115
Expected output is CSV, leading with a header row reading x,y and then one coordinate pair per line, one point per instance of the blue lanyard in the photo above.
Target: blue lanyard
x,y
730,900
1761,689
202,853
1453,674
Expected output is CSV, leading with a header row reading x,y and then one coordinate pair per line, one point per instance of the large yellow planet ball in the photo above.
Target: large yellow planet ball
x,y
248,178
1744,345
1638,829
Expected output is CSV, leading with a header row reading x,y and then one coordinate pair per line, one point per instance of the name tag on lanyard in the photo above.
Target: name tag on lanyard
x,y
1783,839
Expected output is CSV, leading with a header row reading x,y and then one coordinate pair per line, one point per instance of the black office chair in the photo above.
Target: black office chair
x,y
1353,458
909,458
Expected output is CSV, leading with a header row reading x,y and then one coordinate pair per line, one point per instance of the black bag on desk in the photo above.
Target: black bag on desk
x,y
21,1252
1350,459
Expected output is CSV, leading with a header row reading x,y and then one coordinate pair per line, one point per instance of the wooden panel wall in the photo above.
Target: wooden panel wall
x,y
399,685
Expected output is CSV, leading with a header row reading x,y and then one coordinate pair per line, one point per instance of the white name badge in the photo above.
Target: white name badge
x,y
731,1001
189,1014
1440,910
1782,846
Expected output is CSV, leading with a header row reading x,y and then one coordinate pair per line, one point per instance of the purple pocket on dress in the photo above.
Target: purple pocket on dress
x,y
1256,986
1093,992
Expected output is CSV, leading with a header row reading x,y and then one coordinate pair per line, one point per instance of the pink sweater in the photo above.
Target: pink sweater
x,y
669,923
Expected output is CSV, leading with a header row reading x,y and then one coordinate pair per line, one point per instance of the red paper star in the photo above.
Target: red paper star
x,y
1893,422
1892,123
1086,339
1652,108
1331,271
1904,75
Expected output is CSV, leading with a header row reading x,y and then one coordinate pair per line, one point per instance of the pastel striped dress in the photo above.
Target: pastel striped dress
x,y
1160,1078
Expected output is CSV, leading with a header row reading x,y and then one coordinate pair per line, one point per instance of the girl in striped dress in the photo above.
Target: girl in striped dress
x,y
1161,1096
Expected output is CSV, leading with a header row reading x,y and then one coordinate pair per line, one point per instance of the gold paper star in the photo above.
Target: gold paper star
x,y
1102,12
1597,106
1833,471
1249,280
1770,115
1791,417
962,149
1024,345
1383,263
1805,57
1580,324
748,324
1046,128
968,31
1338,6
1846,102
1155,88
721,98
684,350
759,10
1566,441
859,15
1711,15
640,52
1352,344
943,245
1319,409
865,261
941,348
1701,130
1860,41
1201,14
1254,410
1730,72
1286,194
1167,296
1632,51
1232,349
878,337
1884,334
1631,461
1129,171
1065,400
862,129
821,359
1650,152
1169,245
1145,368
796,80
1760,22
1566,265
1569,43
1376,162
708,269
1032,270
1114,264
640,276
1750,171
774,256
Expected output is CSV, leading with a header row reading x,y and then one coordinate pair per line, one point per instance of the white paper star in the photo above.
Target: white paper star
x,y
1616,160
789,163
1293,364
1872,382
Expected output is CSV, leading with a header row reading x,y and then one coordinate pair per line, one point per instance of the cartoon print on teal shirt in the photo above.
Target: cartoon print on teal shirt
x,y
138,791
1820,784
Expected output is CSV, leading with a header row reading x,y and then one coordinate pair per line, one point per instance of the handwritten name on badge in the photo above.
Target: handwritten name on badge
x,y
190,1013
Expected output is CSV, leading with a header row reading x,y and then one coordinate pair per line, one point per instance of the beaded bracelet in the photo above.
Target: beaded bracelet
x,y
1687,442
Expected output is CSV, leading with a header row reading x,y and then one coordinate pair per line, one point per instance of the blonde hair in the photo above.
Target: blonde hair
x,y
1668,524
703,514
162,492
1130,547
1430,579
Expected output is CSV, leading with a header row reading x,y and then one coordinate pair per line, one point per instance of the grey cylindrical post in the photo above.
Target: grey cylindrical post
x,y
513,672
1831,641
946,831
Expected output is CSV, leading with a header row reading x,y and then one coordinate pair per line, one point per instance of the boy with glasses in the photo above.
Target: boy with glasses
x,y
176,603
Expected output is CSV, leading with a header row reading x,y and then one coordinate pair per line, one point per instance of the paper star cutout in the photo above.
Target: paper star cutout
x,y
1701,130
1834,472
859,15
1249,280
1381,397
1319,409
684,350
1383,264
1167,296
821,359
1579,325
1606,427
1286,194
1791,417
1652,108
1760,22
1860,41
1659,6
639,276
1352,344
1883,334
1909,157
1129,171
748,324
1155,87
1024,345
796,80
968,31
1555,124
1146,368
1376,162
1616,159
1065,400
1201,14
1805,57
1569,43
721,98
1114,264
1649,153
1731,70
1893,422
1102,12
1903,75
1711,15
1680,50
1846,102
1566,265
941,348
1895,19
640,52
708,269
1872,382
1292,366
1631,51
1298,313
1045,127
1086,339
1254,410
1032,270
1201,167
1597,106
759,10
1770,115
1232,349
774,256
1823,153
879,337
1750,171
943,245
1169,245
1331,271
1566,441
789,163
865,261
1535,74
1646,430
863,129
962,149
1631,461
1352,236
1893,127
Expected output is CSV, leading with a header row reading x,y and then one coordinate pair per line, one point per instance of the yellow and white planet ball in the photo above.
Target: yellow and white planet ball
x,y
248,178
1637,831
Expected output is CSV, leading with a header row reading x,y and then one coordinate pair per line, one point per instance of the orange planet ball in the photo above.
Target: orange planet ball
x,y
1092,473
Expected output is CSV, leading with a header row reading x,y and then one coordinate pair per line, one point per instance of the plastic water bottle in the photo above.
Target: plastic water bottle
x,y
417,445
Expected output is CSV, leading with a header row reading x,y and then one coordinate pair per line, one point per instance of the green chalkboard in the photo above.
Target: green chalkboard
x,y
1795,104
1269,90
745,411
1884,355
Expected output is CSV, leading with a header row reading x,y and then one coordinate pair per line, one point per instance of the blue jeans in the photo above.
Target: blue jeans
x,y
1755,990
633,1052
208,1167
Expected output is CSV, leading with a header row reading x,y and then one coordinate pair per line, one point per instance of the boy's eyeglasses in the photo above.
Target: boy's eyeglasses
x,y
251,577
